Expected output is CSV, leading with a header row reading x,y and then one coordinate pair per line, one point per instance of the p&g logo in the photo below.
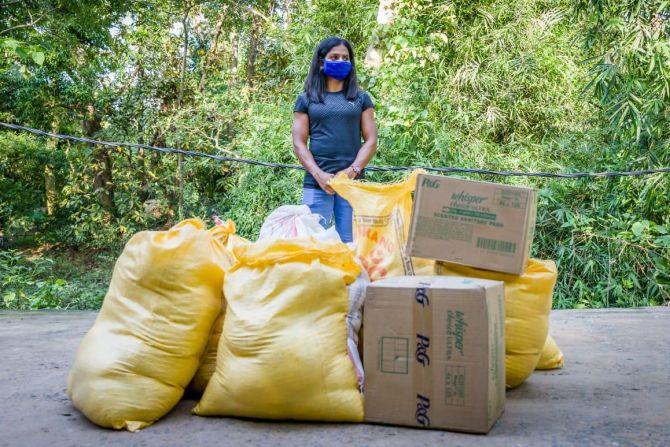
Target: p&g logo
x,y
421,297
428,183
422,350
422,406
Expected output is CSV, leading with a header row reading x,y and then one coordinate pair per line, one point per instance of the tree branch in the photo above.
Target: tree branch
x,y
25,25
184,23
212,52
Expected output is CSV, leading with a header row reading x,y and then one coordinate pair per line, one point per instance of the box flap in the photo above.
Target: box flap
x,y
441,282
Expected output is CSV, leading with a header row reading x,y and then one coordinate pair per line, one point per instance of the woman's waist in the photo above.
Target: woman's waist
x,y
334,166
334,152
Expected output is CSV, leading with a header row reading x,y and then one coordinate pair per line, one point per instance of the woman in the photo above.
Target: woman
x,y
334,113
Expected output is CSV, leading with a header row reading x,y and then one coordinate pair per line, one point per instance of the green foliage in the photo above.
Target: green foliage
x,y
630,69
58,281
22,159
520,85
606,256
22,54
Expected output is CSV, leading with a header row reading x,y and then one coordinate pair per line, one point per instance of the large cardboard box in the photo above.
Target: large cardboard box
x,y
480,224
435,352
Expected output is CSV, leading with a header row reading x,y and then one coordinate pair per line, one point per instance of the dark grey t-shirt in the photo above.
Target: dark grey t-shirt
x,y
334,130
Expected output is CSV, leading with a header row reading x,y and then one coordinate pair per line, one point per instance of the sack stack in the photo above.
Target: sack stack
x,y
146,344
485,230
283,351
454,312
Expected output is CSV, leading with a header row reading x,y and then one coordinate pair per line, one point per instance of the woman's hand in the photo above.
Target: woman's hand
x,y
322,178
349,172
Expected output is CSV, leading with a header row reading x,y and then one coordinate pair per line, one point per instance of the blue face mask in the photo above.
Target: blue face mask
x,y
336,69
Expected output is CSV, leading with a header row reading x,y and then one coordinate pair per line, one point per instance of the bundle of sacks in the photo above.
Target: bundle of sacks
x,y
283,352
269,329
146,344
382,213
282,344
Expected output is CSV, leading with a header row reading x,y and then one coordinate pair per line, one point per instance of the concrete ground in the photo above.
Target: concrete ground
x,y
614,390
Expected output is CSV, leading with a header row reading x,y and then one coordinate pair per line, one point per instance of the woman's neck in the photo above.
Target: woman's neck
x,y
333,85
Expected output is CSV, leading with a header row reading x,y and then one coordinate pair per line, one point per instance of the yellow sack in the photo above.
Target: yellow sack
x,y
143,349
208,360
283,351
382,213
527,305
226,234
551,356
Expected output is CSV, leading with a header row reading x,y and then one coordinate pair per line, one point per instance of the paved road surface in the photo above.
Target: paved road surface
x,y
614,390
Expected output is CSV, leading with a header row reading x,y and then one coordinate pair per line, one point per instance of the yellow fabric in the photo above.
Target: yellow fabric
x,y
551,356
382,214
207,366
143,349
224,230
527,306
208,360
283,351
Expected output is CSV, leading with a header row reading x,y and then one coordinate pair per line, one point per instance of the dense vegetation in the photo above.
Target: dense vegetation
x,y
517,84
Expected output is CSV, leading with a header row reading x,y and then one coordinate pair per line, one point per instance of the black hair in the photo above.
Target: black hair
x,y
315,84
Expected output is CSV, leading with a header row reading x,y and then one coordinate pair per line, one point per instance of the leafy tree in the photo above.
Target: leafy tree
x,y
462,83
630,66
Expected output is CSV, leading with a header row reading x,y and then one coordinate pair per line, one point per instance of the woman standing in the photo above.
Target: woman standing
x,y
334,113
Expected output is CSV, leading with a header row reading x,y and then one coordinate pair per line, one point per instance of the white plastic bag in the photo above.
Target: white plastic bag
x,y
294,221
291,221
354,321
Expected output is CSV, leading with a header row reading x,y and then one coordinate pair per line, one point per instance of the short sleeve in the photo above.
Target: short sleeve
x,y
301,104
366,101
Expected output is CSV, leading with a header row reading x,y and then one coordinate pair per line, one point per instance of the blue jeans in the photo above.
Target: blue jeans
x,y
320,202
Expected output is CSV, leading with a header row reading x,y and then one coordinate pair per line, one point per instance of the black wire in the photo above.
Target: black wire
x,y
445,170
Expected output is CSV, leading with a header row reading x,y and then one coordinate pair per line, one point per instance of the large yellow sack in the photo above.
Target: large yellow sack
x,y
551,356
226,234
283,351
144,348
527,305
382,214
208,360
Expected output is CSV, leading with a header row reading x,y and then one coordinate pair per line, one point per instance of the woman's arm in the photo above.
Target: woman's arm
x,y
300,132
369,131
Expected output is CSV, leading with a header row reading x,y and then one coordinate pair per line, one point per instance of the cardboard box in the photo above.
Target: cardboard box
x,y
435,352
479,224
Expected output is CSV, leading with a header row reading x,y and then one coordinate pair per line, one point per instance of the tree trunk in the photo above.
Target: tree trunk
x,y
142,165
184,57
50,192
50,189
180,186
210,54
180,158
102,163
234,52
289,15
253,50
385,15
